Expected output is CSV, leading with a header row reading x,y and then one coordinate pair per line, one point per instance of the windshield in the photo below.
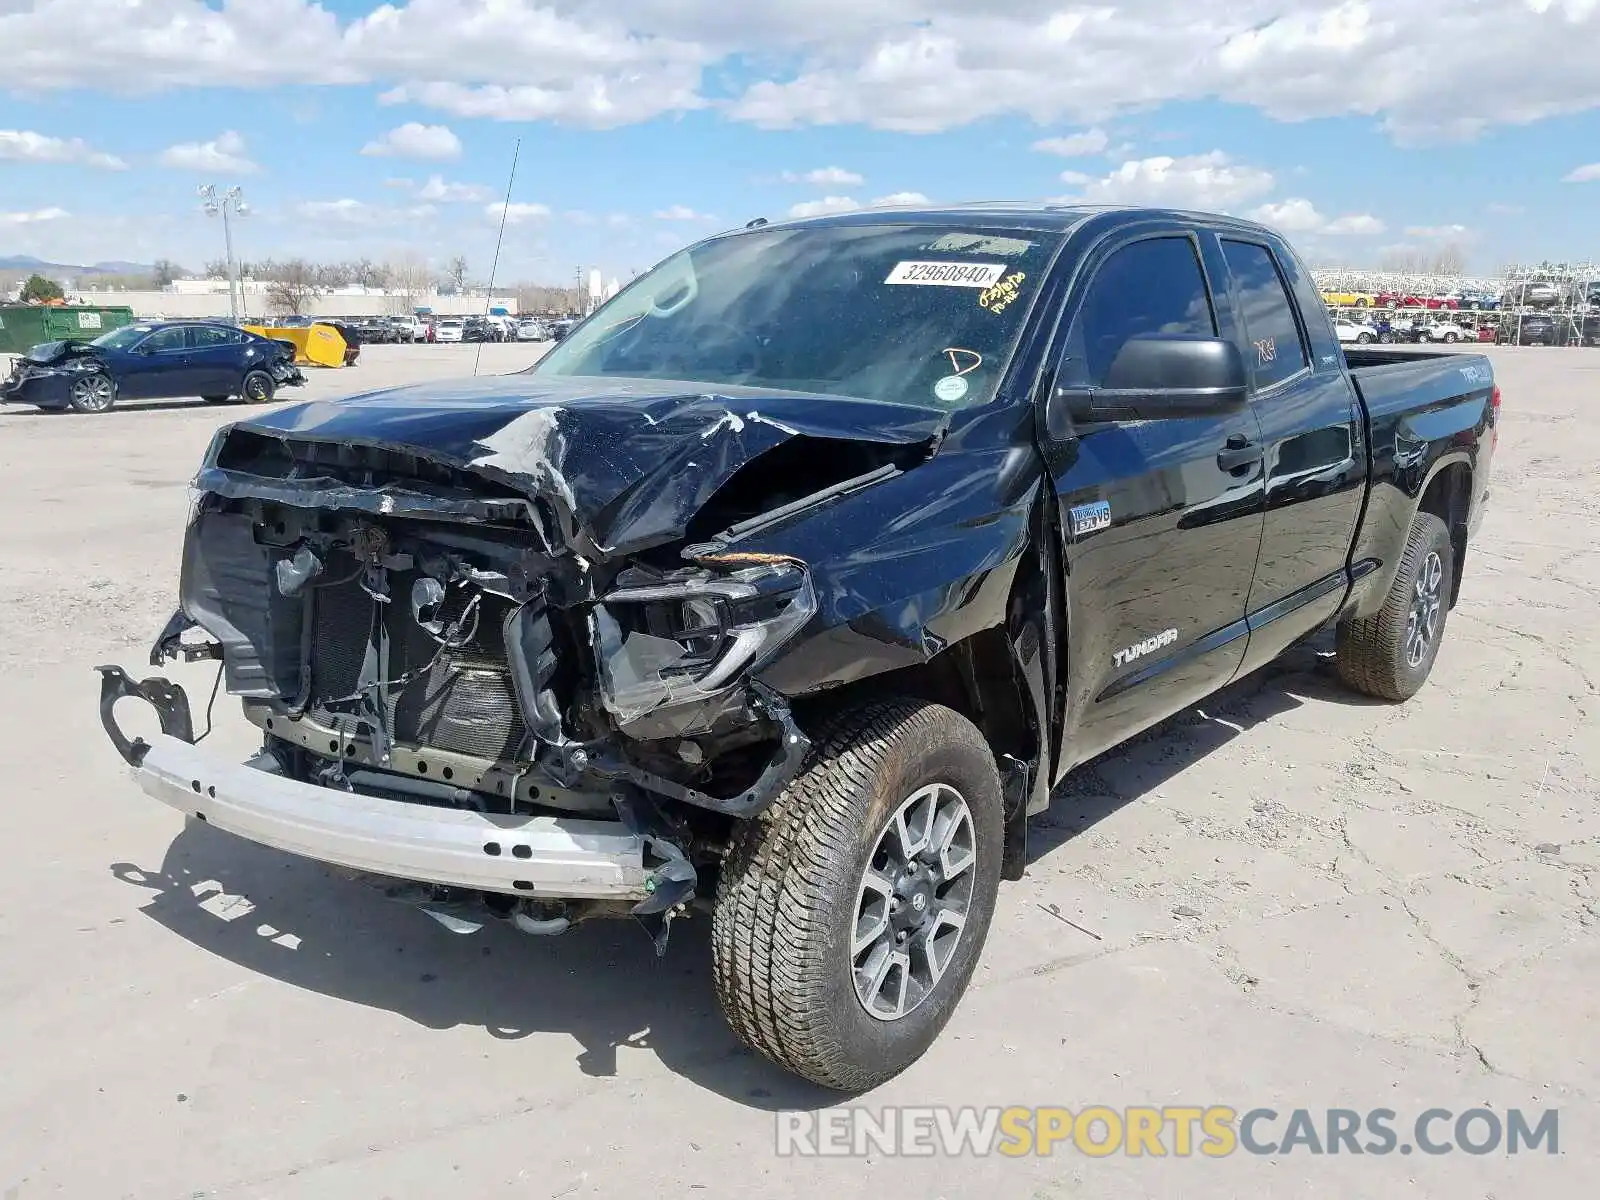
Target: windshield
x,y
910,314
121,339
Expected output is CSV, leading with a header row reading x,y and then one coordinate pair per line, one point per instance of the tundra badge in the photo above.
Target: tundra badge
x,y
1149,646
1087,518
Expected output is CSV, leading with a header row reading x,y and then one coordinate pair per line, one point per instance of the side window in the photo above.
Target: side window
x,y
1153,286
205,337
165,339
1275,350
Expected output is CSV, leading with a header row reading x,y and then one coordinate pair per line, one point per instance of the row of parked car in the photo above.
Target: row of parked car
x,y
492,327
1530,329
1518,295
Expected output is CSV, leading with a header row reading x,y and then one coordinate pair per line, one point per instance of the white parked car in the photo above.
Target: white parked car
x,y
530,330
1355,331
447,330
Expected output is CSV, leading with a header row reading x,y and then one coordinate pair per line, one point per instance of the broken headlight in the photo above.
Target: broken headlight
x,y
683,641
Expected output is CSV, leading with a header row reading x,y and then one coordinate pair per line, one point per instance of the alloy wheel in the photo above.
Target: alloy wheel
x,y
1422,623
92,392
911,907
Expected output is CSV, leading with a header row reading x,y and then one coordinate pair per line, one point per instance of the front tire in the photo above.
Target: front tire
x,y
851,913
92,392
1389,654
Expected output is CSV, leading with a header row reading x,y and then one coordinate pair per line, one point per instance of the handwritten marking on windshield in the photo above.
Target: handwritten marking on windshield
x,y
956,353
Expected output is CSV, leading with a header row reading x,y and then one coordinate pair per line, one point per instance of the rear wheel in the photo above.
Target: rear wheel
x,y
92,392
1389,654
257,388
850,914
1364,339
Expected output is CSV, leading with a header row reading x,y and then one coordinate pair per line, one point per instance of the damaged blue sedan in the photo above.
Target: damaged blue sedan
x,y
790,583
152,361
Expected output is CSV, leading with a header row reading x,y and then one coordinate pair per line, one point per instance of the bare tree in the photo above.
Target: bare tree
x,y
456,272
294,287
1448,259
332,275
409,276
365,273
164,270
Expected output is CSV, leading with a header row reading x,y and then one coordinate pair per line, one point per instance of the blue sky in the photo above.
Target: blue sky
x,y
366,130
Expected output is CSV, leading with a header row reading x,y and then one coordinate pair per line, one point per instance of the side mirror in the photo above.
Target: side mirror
x,y
1158,377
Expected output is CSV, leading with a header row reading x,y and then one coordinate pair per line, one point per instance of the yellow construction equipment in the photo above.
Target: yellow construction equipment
x,y
314,345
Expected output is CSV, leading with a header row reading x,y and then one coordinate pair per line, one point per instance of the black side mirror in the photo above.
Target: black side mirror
x,y
1156,377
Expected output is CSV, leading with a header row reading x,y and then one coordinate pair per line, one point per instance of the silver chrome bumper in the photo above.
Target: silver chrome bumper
x,y
544,857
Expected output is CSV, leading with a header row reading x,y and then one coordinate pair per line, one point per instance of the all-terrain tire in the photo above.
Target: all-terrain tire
x,y
787,906
1381,655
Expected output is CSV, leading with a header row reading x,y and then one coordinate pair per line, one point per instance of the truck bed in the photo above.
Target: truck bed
x,y
1415,382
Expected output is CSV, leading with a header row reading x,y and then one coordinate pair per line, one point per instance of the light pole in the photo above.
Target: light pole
x,y
233,199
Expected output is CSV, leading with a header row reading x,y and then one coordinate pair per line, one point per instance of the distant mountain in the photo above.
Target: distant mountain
x,y
24,262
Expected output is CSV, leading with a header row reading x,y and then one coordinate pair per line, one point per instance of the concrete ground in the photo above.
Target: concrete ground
x,y
1290,898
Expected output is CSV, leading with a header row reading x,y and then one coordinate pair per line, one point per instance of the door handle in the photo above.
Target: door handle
x,y
1239,455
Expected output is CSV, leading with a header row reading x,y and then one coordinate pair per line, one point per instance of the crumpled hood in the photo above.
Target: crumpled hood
x,y
49,354
627,462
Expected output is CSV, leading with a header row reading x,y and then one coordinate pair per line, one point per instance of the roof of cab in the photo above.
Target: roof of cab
x,y
1003,214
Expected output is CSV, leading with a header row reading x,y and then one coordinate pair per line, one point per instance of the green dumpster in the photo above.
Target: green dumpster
x,y
24,325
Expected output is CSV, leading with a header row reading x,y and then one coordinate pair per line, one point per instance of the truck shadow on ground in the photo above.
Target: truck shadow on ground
x,y
294,920
1096,790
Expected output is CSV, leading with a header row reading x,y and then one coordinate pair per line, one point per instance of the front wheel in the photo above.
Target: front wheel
x,y
1389,654
850,914
257,388
92,392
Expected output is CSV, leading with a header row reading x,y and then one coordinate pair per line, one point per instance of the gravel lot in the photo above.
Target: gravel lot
x,y
1291,898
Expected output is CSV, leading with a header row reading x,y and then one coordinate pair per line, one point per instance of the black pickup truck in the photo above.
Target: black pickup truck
x,y
793,580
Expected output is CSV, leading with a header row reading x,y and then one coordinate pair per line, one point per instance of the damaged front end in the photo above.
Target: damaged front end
x,y
463,687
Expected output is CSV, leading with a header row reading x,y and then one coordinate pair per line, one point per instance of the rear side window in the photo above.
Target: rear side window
x,y
205,336
1275,351
1152,286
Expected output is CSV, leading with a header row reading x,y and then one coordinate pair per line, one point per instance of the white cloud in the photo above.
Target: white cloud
x,y
415,140
516,214
1438,233
21,145
348,211
1298,215
680,212
34,217
1076,178
437,189
1075,145
893,64
1587,174
825,177
1205,181
225,153
900,198
828,204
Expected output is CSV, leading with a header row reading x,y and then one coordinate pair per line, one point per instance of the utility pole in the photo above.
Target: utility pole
x,y
232,199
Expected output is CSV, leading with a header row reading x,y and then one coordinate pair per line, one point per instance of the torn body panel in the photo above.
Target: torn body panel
x,y
529,600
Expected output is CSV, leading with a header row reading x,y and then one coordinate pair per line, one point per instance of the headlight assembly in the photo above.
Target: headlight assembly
x,y
684,641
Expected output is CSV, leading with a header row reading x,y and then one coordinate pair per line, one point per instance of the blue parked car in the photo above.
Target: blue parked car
x,y
153,360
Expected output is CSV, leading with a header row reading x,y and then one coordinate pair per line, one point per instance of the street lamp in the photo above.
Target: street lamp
x,y
213,204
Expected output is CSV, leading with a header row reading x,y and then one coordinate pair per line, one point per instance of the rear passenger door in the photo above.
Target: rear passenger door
x,y
1160,520
1313,444
216,359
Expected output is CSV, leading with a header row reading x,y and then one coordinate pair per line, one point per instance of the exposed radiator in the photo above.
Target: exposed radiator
x,y
464,702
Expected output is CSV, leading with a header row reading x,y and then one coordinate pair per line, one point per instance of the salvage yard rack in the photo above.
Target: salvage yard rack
x,y
1562,298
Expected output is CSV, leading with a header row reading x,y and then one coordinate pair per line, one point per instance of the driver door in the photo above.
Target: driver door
x,y
1160,520
158,366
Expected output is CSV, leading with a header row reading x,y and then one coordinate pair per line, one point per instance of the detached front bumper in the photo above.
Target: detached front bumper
x,y
537,857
